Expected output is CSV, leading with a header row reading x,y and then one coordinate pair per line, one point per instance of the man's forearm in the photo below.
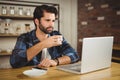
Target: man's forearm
x,y
64,60
33,51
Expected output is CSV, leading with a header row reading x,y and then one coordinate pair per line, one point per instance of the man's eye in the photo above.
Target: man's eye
x,y
53,21
47,20
50,20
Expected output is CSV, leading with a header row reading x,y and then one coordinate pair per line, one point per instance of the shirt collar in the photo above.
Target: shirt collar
x,y
33,36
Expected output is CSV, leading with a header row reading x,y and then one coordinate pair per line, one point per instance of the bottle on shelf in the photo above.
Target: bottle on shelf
x,y
6,30
20,11
28,12
18,30
27,28
12,10
4,10
7,26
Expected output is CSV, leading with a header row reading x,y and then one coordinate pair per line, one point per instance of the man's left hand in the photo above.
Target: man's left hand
x,y
45,63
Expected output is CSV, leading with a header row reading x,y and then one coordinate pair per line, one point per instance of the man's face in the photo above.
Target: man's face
x,y
46,23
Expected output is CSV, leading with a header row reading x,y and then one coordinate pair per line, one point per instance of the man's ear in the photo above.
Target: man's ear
x,y
36,22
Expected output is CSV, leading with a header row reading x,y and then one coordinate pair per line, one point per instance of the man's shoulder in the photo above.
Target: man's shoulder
x,y
27,35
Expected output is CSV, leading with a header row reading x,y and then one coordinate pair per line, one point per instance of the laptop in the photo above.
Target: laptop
x,y
96,55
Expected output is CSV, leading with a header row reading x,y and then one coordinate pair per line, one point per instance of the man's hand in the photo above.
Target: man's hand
x,y
52,41
45,63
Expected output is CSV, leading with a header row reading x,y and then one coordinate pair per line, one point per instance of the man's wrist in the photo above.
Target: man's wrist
x,y
57,61
42,45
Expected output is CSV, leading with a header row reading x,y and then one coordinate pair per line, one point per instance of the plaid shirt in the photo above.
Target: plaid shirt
x,y
27,40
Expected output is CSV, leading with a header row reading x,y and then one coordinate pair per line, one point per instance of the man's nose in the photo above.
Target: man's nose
x,y
51,23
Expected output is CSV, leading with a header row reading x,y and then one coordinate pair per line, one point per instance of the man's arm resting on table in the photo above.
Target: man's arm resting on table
x,y
64,60
59,61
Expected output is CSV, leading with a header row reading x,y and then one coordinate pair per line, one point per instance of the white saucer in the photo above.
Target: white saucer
x,y
34,72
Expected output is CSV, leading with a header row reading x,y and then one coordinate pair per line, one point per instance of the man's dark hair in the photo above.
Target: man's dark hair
x,y
39,10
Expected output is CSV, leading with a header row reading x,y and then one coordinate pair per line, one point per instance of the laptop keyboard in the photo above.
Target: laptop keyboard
x,y
74,66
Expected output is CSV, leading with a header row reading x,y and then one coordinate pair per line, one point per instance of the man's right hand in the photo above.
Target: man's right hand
x,y
52,41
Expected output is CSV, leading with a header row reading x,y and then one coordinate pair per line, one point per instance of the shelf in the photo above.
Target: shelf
x,y
3,53
116,58
8,35
116,47
16,17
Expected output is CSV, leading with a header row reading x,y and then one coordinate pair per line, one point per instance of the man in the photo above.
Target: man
x,y
30,47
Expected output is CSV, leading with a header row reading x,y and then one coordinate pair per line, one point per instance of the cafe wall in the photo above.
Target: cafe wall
x,y
98,18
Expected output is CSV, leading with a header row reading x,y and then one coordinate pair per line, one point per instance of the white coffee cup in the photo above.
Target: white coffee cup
x,y
60,39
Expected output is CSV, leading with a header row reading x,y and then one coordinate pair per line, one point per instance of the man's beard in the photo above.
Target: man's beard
x,y
43,29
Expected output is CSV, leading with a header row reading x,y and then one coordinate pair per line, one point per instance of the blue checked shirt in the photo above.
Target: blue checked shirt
x,y
27,40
